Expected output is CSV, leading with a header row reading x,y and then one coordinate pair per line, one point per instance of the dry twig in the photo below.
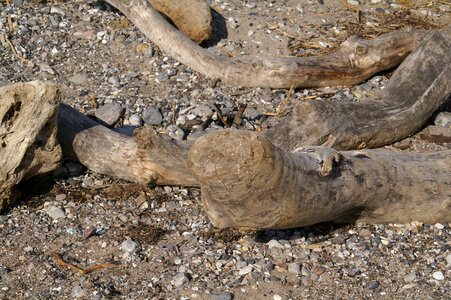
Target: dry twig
x,y
60,262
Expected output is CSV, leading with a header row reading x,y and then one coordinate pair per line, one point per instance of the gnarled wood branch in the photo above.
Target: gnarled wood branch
x,y
356,61
246,182
417,88
28,145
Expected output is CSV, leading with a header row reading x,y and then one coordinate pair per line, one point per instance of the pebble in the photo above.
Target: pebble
x,y
60,197
130,246
410,277
109,113
78,292
373,284
135,120
448,260
152,116
162,77
294,268
245,270
438,275
274,244
56,213
78,79
180,279
202,111
114,80
223,296
439,226
277,297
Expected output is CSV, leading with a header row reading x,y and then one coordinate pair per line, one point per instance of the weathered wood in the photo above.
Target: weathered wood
x,y
246,182
147,158
417,88
356,61
28,145
192,17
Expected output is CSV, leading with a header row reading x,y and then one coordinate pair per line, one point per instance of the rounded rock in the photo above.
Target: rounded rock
x,y
130,246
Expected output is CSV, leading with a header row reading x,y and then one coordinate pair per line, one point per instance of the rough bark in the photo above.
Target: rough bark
x,y
246,182
357,59
192,17
147,158
28,145
416,89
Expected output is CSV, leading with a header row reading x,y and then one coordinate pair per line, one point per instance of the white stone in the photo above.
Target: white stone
x,y
245,270
274,244
56,213
438,275
130,246
439,226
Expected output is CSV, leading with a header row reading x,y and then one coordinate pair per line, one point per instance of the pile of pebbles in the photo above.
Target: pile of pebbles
x,y
160,237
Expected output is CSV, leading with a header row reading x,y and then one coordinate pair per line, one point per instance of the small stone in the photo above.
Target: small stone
x,y
130,246
202,111
135,120
245,270
18,2
277,297
46,68
114,80
373,284
223,296
78,292
78,79
448,259
294,268
274,244
439,226
352,272
180,279
353,2
175,132
438,275
410,277
152,116
365,233
60,197
162,77
56,213
109,113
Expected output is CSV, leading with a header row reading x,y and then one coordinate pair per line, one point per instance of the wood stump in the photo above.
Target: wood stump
x,y
28,144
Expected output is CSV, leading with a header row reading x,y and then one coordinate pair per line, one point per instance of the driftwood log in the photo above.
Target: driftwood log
x,y
356,60
416,89
247,182
147,158
28,144
192,17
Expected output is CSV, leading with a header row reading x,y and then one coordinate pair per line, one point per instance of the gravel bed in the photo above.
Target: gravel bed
x,y
156,242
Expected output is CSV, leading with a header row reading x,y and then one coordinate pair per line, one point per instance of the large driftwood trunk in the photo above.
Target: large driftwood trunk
x,y
192,17
28,145
155,158
247,182
416,89
357,59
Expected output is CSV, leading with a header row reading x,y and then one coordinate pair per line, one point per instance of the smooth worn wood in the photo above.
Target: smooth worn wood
x,y
416,89
246,182
356,60
28,145
192,17
147,158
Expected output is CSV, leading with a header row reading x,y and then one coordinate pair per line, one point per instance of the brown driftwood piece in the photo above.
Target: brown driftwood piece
x,y
356,60
192,17
416,89
147,158
246,182
28,145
